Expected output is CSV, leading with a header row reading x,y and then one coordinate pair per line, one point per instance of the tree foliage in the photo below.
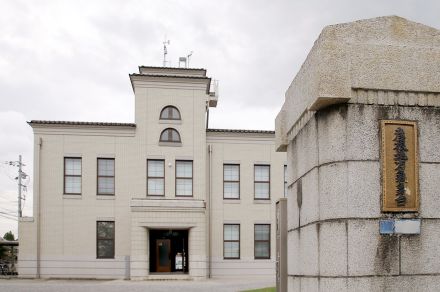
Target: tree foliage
x,y
9,236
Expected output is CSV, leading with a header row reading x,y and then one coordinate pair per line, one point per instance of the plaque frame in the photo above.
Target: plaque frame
x,y
388,169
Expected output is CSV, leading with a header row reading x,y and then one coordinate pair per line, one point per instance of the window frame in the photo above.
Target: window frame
x,y
156,177
268,181
170,119
113,239
239,241
268,241
176,178
170,141
231,181
98,176
71,175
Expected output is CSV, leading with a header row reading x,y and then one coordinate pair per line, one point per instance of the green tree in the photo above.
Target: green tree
x,y
4,251
9,236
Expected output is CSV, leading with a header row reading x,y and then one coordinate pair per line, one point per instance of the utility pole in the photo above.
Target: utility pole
x,y
21,175
19,186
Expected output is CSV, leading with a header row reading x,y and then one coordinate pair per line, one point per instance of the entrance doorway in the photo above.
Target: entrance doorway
x,y
163,255
168,251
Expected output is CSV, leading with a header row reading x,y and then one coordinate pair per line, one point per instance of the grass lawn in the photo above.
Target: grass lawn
x,y
268,289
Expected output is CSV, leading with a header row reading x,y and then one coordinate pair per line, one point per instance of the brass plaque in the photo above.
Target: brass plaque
x,y
400,189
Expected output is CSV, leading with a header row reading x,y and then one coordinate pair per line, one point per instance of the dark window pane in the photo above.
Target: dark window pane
x,y
170,135
106,229
170,113
105,248
105,239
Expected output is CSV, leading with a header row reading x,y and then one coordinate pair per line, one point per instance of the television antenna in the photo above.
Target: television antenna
x,y
188,57
165,52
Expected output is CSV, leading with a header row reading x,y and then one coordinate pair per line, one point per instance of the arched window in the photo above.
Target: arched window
x,y
170,135
170,113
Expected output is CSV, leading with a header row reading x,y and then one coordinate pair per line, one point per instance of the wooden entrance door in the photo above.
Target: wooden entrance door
x,y
163,260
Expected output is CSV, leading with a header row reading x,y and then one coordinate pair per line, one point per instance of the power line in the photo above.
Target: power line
x,y
6,210
9,218
7,199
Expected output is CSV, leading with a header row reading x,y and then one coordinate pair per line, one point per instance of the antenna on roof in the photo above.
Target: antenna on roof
x,y
185,60
165,52
188,57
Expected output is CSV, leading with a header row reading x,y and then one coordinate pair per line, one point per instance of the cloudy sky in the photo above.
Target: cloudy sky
x,y
70,60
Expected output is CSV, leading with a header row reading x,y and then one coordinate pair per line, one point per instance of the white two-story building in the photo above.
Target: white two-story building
x,y
164,197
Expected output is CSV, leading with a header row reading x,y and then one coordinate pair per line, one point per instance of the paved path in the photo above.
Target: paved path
x,y
220,285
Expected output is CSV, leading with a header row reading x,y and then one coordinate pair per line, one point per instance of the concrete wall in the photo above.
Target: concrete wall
x,y
68,222
27,265
334,205
245,150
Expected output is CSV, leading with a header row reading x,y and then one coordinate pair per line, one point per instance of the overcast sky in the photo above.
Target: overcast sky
x,y
70,60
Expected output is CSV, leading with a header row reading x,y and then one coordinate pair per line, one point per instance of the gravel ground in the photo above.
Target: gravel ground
x,y
21,285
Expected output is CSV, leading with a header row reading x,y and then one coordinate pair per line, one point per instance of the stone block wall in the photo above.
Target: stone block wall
x,y
334,204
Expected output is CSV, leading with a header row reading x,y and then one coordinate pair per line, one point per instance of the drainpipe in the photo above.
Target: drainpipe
x,y
207,116
209,207
40,145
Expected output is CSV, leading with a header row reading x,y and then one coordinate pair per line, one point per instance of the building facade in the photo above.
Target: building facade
x,y
164,197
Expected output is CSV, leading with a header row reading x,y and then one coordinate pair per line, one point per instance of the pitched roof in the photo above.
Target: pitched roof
x,y
240,131
75,123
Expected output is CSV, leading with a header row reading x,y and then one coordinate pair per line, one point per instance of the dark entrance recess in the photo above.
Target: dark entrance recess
x,y
168,251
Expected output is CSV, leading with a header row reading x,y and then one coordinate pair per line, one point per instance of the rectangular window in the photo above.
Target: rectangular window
x,y
72,175
184,178
231,241
262,241
106,176
262,182
105,239
231,181
155,177
285,181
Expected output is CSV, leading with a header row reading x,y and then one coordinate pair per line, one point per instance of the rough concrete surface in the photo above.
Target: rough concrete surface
x,y
335,243
429,186
21,285
369,253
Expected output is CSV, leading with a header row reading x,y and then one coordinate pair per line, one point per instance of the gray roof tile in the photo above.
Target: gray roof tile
x,y
74,123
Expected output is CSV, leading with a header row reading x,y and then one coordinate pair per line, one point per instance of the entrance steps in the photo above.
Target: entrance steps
x,y
168,276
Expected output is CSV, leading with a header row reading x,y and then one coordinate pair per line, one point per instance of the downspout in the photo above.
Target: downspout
x,y
40,145
209,208
207,117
